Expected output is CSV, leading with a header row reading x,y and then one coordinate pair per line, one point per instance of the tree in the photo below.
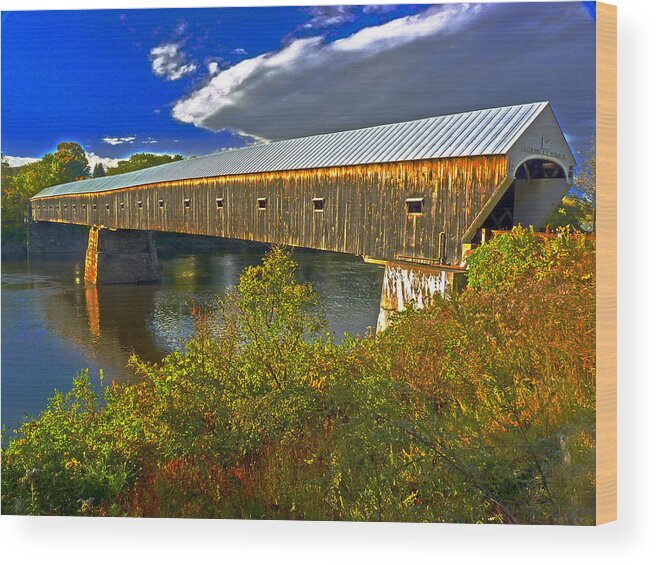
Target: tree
x,y
17,191
578,206
72,160
140,161
4,164
67,164
586,182
98,171
574,212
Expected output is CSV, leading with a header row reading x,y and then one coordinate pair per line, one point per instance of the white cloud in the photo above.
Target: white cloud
x,y
104,161
326,16
180,28
406,30
239,51
378,8
304,75
19,161
119,140
150,140
169,62
251,139
92,158
444,59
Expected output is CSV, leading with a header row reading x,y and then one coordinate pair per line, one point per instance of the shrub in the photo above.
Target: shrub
x,y
476,409
522,255
79,453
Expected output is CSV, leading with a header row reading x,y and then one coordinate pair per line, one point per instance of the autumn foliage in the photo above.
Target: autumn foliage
x,y
478,409
68,163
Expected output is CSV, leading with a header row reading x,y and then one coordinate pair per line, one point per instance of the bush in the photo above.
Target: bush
x,y
476,409
522,255
507,371
82,451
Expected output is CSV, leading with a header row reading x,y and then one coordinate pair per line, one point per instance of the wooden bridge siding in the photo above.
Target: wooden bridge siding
x,y
364,214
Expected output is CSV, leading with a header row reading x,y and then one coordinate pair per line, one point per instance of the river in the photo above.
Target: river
x,y
53,324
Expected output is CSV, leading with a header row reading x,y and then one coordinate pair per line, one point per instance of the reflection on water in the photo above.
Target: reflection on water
x,y
54,325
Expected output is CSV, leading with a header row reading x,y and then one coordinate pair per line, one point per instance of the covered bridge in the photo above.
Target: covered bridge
x,y
415,192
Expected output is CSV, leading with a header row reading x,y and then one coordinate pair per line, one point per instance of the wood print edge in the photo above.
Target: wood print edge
x,y
606,152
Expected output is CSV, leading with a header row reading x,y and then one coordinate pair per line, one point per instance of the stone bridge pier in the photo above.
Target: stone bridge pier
x,y
53,238
121,256
411,285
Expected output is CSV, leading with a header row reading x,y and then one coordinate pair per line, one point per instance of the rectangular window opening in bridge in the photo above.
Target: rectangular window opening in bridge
x,y
161,204
122,205
95,206
84,206
65,206
107,207
139,203
414,206
219,203
318,204
73,206
261,203
187,202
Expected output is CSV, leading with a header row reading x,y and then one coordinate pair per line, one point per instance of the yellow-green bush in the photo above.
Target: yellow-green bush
x,y
477,409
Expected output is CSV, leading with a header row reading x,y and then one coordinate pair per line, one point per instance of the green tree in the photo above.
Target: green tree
x,y
67,164
578,207
586,182
17,191
140,161
4,166
98,171
246,377
573,211
72,160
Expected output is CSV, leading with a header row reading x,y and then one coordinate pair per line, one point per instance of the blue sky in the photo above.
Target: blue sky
x,y
194,81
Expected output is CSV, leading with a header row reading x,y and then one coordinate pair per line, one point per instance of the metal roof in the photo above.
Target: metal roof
x,y
491,131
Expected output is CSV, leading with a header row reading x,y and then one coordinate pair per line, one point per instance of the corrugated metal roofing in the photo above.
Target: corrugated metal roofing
x,y
491,131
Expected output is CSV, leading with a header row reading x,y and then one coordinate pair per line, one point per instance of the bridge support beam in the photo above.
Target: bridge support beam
x,y
409,285
121,256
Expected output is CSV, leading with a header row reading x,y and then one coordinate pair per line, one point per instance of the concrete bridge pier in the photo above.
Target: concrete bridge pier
x,y
413,285
121,256
53,238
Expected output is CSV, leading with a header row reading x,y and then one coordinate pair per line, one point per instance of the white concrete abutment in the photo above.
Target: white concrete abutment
x,y
413,285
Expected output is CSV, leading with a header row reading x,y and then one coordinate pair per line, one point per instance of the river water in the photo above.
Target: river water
x,y
53,324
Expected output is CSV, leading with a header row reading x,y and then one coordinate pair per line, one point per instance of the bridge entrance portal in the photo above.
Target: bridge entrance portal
x,y
534,193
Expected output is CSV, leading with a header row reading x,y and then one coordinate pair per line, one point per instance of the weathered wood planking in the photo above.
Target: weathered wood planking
x,y
364,213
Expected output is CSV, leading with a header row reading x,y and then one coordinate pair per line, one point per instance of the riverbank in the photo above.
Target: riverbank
x,y
462,412
53,324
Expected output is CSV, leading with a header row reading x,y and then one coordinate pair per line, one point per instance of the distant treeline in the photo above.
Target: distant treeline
x,y
68,163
